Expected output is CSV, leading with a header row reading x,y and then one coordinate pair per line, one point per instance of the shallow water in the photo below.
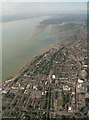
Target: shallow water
x,y
22,40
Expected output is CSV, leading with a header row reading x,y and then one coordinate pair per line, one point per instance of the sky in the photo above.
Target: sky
x,y
43,7
44,0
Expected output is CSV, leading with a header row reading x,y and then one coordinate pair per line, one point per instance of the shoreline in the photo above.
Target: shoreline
x,y
26,64
60,43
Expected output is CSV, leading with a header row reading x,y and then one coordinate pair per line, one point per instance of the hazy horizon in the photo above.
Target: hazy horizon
x,y
17,10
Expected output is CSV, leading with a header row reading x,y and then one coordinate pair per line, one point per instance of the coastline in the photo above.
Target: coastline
x,y
26,64
60,43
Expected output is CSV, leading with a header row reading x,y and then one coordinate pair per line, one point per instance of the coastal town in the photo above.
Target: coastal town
x,y
54,84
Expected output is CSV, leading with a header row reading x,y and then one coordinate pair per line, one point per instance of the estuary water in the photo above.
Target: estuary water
x,y
21,41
